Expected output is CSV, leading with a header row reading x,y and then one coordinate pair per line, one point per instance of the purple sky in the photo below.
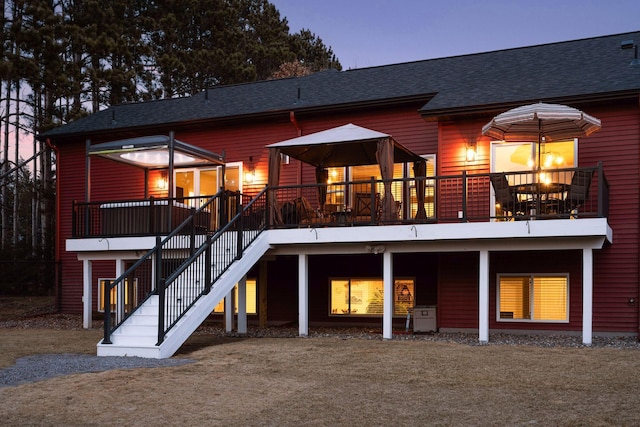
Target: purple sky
x,y
366,33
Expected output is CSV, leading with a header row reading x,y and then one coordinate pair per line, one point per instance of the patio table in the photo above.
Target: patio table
x,y
542,198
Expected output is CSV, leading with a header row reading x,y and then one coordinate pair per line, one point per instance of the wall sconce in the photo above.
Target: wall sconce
x,y
472,151
162,183
250,175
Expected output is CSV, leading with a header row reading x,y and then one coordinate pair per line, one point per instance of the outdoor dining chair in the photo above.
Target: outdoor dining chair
x,y
578,190
506,196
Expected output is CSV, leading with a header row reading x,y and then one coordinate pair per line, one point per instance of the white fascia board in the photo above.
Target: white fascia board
x,y
584,228
111,244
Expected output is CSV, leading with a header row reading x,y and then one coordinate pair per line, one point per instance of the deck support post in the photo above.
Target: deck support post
x,y
483,308
87,294
587,295
242,305
303,295
387,279
228,311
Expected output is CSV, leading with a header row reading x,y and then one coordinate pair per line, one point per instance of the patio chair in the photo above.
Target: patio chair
x,y
506,197
366,206
578,190
306,213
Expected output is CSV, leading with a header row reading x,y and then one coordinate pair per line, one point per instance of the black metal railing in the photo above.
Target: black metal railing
x,y
547,194
149,217
183,266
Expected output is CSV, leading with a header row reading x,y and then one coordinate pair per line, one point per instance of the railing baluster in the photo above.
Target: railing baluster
x,y
464,196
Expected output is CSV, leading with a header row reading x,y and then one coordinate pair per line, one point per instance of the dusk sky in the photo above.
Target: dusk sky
x,y
366,33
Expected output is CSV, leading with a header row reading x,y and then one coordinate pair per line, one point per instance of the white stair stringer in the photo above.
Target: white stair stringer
x,y
138,335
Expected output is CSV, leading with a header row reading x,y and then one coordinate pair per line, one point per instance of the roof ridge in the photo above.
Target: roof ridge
x,y
604,36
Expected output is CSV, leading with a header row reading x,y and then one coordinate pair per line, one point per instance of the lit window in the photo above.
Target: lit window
x,y
362,297
252,297
536,298
130,295
518,156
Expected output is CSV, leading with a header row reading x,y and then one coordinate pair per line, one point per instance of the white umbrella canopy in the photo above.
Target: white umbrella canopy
x,y
553,122
541,122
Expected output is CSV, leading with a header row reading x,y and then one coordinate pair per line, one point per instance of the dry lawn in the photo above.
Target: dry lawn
x,y
329,381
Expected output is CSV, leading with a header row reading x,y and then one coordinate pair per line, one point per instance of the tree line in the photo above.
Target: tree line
x,y
64,59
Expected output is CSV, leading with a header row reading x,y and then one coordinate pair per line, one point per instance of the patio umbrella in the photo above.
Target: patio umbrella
x,y
541,122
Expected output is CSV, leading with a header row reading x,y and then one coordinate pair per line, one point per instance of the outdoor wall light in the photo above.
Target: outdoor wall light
x,y
162,183
250,175
472,151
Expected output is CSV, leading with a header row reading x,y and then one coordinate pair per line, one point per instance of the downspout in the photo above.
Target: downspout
x,y
294,122
56,251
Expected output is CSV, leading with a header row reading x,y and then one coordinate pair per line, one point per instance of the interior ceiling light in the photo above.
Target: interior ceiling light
x,y
158,157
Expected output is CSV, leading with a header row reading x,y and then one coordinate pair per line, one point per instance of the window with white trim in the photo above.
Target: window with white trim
x,y
533,298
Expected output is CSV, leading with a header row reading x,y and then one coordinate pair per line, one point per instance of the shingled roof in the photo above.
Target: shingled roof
x,y
584,69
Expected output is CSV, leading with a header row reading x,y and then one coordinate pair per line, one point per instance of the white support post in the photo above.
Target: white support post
x,y
387,279
303,295
587,296
242,305
228,311
483,309
87,294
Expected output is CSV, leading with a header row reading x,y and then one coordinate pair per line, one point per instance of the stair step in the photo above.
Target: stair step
x,y
134,340
143,319
143,330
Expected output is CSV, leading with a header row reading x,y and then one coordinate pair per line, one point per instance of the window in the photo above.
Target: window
x,y
252,298
130,295
206,181
521,156
536,298
362,297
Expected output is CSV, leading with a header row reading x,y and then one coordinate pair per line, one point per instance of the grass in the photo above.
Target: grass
x,y
329,381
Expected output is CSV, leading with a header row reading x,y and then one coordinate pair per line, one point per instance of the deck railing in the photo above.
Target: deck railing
x,y
462,197
555,194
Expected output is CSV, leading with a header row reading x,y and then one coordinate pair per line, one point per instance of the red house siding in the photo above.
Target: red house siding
x,y
70,175
616,272
616,266
458,290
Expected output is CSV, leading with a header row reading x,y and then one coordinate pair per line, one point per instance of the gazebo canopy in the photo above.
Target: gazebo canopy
x,y
149,153
153,152
348,145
